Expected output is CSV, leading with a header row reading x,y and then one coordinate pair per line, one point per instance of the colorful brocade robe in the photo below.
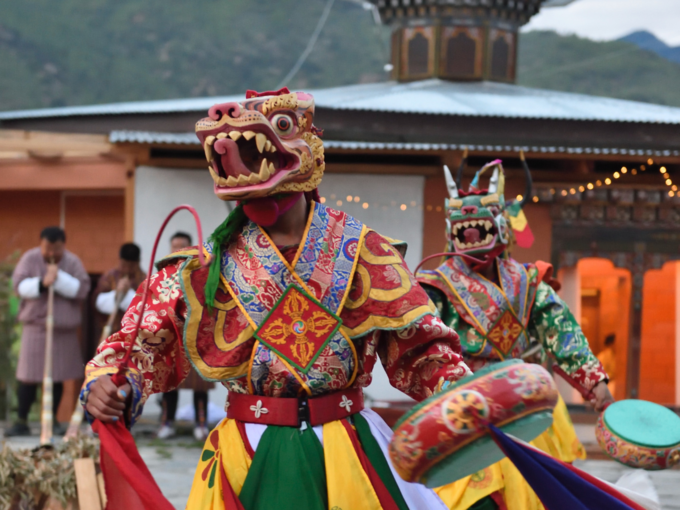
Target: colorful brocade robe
x,y
346,286
500,321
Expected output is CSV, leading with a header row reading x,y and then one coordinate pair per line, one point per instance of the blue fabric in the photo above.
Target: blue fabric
x,y
557,487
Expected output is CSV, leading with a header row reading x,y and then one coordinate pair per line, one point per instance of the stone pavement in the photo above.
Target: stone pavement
x,y
173,463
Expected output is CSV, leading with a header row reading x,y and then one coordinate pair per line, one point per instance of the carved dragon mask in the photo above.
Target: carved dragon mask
x,y
264,145
479,221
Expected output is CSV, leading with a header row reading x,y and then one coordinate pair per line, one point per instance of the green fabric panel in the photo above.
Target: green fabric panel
x,y
485,504
378,460
287,473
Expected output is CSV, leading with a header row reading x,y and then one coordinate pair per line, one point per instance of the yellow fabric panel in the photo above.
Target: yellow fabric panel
x,y
519,222
466,492
235,458
517,494
348,484
232,456
559,440
203,496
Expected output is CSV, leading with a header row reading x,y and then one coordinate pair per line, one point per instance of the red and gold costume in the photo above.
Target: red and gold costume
x,y
292,332
506,316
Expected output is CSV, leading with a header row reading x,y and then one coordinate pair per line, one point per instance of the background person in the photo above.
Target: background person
x,y
120,284
49,264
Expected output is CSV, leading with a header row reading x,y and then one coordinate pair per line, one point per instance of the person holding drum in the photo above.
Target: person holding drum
x,y
504,310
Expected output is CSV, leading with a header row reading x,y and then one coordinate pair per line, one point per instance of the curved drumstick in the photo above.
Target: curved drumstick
x,y
119,377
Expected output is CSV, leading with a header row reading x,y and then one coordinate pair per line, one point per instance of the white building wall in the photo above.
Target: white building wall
x,y
159,190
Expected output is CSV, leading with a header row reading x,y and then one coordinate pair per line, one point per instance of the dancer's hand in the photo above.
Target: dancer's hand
x,y
107,401
603,397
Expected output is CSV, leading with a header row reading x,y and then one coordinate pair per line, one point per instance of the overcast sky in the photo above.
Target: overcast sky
x,y
611,19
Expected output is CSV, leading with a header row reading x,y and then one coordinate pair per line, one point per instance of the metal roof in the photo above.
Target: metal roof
x,y
123,136
436,97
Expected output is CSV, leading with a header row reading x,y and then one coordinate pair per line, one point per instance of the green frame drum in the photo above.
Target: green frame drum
x,y
640,434
445,438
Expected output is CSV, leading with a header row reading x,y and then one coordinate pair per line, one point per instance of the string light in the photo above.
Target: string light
x,y
668,182
663,170
624,170
357,199
634,171
339,202
439,208
429,207
643,167
402,207
564,192
323,200
607,181
535,199
674,187
598,182
365,205
349,198
616,175
650,161
671,193
590,185
581,188
519,198
413,203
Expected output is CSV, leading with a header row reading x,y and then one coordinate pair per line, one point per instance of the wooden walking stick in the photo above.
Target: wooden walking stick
x,y
78,413
47,414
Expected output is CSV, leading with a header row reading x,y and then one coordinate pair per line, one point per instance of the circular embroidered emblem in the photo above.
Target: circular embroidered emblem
x,y
481,479
299,327
462,411
350,248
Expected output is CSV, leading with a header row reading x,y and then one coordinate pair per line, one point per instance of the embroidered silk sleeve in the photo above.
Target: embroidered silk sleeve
x,y
419,351
423,358
554,325
158,362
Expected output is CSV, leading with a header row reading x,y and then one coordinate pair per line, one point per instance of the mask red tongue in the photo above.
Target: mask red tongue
x,y
266,210
471,235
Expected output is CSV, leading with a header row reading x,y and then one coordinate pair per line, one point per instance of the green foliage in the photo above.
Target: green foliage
x,y
73,52
8,333
615,69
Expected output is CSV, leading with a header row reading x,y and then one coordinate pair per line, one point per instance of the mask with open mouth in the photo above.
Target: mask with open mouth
x,y
264,145
477,220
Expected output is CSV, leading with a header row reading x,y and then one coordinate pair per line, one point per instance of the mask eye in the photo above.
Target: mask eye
x,y
283,124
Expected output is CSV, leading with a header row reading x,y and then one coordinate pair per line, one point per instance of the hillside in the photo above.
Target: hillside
x,y
72,52
615,69
648,41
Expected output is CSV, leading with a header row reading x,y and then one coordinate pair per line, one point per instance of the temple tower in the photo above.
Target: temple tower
x,y
458,40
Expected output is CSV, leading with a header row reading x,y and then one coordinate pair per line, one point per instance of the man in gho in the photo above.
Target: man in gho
x,y
296,306
503,310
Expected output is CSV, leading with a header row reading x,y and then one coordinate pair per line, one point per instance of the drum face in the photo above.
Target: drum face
x,y
640,434
445,438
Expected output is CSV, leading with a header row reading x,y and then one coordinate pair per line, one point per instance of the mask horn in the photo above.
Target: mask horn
x,y
529,181
493,182
461,167
450,183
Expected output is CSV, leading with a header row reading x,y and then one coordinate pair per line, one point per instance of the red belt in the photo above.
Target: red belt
x,y
291,412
